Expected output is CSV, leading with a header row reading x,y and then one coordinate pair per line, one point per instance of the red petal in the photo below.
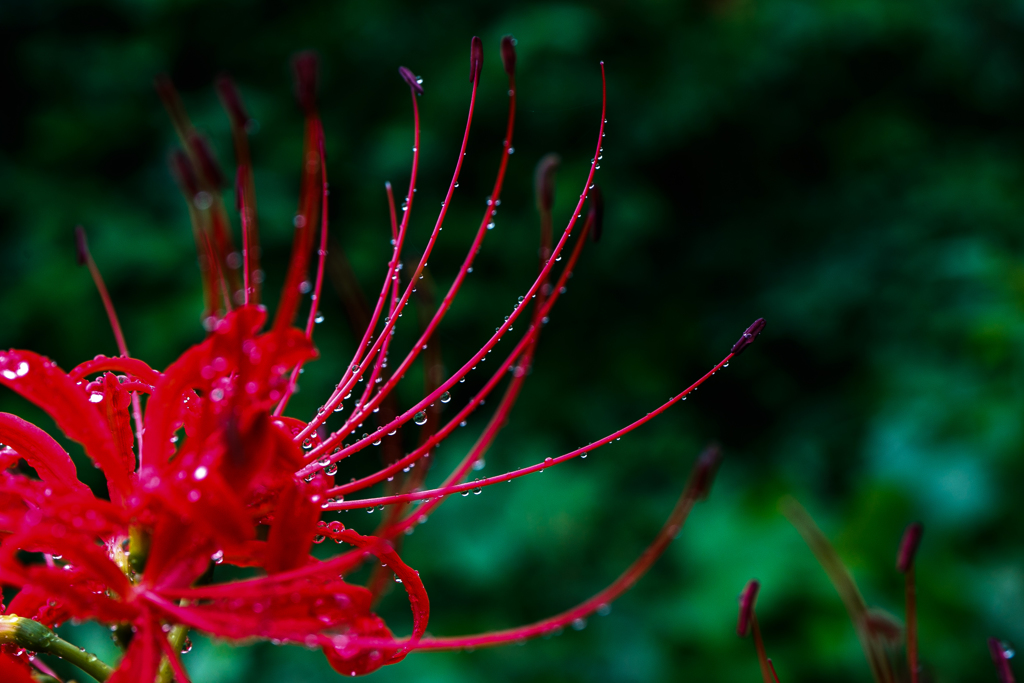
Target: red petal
x,y
12,671
40,381
295,518
42,453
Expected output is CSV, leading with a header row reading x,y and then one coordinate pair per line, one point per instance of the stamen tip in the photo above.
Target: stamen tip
x,y
544,181
908,547
232,101
414,81
81,246
748,336
508,54
747,599
305,67
209,168
184,174
476,58
704,471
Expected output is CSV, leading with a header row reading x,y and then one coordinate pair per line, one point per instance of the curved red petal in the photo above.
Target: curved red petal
x,y
42,453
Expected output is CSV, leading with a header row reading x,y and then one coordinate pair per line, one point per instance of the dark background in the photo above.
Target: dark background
x,y
851,171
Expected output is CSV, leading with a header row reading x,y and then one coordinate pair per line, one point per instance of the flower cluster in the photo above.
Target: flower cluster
x,y
203,468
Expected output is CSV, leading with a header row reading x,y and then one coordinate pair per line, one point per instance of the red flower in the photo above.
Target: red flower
x,y
203,468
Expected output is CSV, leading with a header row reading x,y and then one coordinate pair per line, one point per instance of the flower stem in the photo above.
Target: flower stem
x,y
176,637
33,636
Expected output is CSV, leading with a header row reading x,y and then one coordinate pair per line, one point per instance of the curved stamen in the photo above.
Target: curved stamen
x,y
695,490
332,440
485,224
522,349
522,472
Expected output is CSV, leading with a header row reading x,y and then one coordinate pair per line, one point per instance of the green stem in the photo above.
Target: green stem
x,y
176,637
33,636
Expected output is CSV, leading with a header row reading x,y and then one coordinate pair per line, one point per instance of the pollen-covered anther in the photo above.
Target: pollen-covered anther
x,y
748,336
476,59
908,547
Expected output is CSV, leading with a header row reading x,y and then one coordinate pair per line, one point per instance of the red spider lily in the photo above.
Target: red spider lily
x,y
202,467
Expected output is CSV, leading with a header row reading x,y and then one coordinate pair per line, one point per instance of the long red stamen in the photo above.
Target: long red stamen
x,y
314,308
85,258
295,280
515,474
360,367
331,441
500,416
577,614
524,345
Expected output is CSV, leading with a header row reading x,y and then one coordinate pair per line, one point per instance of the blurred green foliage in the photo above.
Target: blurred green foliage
x,y
850,170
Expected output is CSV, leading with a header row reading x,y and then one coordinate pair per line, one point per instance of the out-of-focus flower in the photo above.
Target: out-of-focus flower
x,y
202,467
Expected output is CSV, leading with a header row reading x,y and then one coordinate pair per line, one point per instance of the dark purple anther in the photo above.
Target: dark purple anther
x,y
908,547
476,59
747,599
305,66
209,169
748,337
232,102
81,247
414,81
704,471
544,181
183,172
508,54
596,213
999,658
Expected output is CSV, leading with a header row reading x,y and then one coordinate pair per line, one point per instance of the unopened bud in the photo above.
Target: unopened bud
x,y
209,169
596,213
908,547
508,54
544,181
304,65
747,599
414,81
703,474
232,102
748,337
476,59
81,246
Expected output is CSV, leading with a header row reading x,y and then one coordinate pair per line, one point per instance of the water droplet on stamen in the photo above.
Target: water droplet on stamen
x,y
420,418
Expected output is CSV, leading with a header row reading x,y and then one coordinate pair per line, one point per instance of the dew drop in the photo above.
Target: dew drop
x,y
420,418
579,624
446,397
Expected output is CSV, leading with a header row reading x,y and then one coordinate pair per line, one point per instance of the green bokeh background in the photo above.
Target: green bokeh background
x,y
853,171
